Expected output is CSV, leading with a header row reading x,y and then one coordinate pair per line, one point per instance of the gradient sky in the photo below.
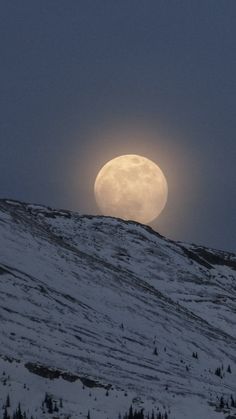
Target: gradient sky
x,y
75,73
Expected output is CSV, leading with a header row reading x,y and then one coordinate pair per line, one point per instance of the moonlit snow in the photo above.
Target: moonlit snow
x,y
112,302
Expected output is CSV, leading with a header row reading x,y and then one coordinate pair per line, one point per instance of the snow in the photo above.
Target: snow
x,y
69,283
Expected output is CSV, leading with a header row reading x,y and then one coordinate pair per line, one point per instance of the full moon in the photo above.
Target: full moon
x,y
131,187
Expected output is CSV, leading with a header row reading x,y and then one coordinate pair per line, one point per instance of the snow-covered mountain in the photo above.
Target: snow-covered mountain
x,y
104,313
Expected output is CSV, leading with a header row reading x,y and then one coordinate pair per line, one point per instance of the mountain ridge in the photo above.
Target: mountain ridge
x,y
118,304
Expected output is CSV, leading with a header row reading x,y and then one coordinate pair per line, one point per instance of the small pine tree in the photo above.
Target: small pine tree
x,y
88,415
55,407
50,405
229,369
61,404
19,412
218,372
131,415
155,351
222,402
5,414
8,401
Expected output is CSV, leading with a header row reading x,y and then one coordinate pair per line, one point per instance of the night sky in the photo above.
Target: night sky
x,y
77,74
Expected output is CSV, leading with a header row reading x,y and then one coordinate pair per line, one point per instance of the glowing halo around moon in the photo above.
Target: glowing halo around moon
x,y
131,187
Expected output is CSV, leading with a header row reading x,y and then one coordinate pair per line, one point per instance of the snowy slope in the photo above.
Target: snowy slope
x,y
110,303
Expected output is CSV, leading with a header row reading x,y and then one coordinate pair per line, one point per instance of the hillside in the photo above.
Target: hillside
x,y
104,313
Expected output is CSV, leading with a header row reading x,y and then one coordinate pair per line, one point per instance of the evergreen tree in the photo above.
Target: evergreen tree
x,y
50,405
55,407
19,413
229,369
131,416
5,415
8,401
222,403
218,372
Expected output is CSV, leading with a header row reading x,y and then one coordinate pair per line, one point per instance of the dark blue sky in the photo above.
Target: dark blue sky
x,y
70,69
